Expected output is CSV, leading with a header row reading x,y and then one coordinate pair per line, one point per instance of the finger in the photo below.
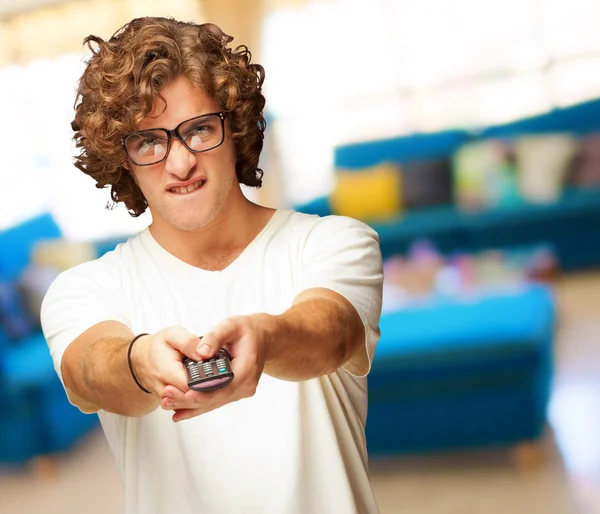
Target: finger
x,y
183,414
223,333
183,341
167,404
202,397
177,400
174,398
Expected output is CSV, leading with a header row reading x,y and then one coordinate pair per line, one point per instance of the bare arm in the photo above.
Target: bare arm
x,y
316,336
97,376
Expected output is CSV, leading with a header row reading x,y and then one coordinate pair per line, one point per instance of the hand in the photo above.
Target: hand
x,y
244,338
157,359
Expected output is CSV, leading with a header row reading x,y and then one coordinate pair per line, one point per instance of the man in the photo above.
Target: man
x,y
171,118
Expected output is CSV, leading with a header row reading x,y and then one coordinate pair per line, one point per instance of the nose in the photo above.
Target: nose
x,y
180,160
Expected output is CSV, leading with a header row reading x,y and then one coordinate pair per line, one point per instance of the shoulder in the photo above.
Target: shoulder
x,y
313,228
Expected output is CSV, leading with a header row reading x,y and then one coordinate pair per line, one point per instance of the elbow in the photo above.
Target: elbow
x,y
337,357
352,344
69,367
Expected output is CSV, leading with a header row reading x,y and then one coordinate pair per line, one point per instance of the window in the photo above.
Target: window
x,y
340,71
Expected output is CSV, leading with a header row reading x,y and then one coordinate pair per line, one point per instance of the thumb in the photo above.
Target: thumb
x,y
216,338
209,346
183,341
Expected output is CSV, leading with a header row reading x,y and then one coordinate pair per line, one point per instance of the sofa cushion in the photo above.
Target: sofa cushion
x,y
485,175
62,254
585,171
544,163
427,183
369,194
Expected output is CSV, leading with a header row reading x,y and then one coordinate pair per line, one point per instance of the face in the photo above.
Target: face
x,y
187,191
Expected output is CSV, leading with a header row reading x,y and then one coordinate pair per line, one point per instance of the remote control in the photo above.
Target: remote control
x,y
209,374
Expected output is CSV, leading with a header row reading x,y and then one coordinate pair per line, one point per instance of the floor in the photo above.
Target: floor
x,y
566,481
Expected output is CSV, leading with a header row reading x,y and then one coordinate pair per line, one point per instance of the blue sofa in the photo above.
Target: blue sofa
x,y
562,225
463,373
36,418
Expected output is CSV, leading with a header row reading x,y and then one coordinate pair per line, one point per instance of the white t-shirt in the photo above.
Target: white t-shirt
x,y
292,448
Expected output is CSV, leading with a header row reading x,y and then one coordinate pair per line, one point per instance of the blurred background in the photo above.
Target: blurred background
x,y
466,132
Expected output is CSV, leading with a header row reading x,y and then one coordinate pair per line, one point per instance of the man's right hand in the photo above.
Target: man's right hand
x,y
157,359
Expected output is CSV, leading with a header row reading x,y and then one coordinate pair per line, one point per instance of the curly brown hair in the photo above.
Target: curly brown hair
x,y
125,76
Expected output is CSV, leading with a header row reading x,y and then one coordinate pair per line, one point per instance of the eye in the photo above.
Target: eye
x,y
202,130
144,144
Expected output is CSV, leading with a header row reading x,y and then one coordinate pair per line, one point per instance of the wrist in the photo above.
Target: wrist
x,y
268,329
137,361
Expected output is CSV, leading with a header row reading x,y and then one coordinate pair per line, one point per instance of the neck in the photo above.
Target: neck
x,y
217,244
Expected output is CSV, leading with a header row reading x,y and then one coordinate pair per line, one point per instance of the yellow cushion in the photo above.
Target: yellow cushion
x,y
62,254
368,194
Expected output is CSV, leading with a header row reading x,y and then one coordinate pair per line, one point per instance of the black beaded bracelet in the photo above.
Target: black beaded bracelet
x,y
131,366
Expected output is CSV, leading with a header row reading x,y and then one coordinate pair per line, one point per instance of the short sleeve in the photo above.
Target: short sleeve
x,y
78,299
343,254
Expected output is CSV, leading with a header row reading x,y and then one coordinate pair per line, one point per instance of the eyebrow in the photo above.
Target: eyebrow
x,y
179,124
155,129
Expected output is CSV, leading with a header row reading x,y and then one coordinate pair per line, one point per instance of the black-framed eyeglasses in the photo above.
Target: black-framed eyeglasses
x,y
198,134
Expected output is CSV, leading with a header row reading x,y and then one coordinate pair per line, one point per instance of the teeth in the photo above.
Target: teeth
x,y
187,189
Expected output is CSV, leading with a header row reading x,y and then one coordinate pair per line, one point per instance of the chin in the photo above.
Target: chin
x,y
190,222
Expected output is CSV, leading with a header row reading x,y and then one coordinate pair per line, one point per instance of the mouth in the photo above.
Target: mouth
x,y
185,190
